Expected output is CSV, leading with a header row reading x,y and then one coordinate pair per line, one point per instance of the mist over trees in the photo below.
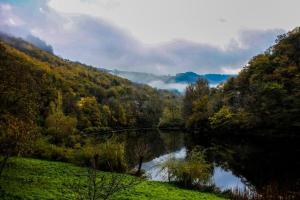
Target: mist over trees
x,y
39,43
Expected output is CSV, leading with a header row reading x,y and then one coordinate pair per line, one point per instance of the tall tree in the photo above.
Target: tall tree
x,y
59,125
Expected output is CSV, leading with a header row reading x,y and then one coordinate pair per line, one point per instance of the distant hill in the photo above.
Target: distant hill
x,y
176,82
191,77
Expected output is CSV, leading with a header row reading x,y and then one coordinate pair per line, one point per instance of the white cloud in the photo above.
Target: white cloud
x,y
225,70
11,22
168,86
5,7
41,10
157,21
99,42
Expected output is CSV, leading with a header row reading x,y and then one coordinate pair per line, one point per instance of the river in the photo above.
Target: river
x,y
237,164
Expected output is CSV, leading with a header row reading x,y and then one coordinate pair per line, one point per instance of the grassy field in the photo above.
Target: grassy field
x,y
37,179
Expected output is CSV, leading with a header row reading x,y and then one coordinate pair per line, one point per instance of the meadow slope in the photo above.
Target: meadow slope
x,y
38,179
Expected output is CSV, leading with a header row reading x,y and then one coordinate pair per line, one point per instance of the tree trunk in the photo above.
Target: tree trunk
x,y
140,166
3,164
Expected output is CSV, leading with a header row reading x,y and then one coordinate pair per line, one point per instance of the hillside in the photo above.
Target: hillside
x,y
268,87
265,94
31,79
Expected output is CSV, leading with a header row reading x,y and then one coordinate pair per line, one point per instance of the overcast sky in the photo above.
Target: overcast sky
x,y
157,36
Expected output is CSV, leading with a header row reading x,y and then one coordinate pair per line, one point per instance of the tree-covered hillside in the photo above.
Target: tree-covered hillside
x,y
35,84
265,94
52,108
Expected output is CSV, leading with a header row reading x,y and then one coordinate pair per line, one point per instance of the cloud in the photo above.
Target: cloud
x,y
39,43
204,58
5,7
168,86
222,20
97,42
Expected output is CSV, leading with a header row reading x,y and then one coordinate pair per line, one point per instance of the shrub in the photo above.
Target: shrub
x,y
43,149
193,171
109,155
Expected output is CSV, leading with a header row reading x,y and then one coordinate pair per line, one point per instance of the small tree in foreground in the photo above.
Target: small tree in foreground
x,y
102,186
142,150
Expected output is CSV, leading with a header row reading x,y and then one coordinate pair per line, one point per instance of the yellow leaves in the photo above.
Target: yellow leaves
x,y
84,101
221,118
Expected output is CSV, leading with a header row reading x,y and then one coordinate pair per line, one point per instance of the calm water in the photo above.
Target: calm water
x,y
237,164
223,179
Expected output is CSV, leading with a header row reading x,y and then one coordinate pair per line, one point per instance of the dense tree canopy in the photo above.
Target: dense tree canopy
x,y
32,78
62,102
265,94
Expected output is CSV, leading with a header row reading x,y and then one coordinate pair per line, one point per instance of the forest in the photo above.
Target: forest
x,y
264,95
55,103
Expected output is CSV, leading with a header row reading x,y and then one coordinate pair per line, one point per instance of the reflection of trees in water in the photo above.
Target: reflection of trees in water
x,y
261,162
151,139
157,143
173,140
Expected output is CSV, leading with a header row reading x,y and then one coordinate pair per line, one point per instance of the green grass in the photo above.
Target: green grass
x,y
37,179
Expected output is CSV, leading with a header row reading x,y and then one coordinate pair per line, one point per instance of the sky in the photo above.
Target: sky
x,y
157,36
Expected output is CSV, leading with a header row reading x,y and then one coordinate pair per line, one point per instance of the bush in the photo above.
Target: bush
x,y
109,155
43,149
193,171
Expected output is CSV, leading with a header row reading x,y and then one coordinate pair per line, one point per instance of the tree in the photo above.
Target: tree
x,y
90,110
199,116
192,93
195,102
107,115
222,118
171,116
16,138
102,186
149,112
265,94
59,126
142,150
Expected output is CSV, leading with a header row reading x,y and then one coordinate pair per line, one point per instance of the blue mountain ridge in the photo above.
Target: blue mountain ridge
x,y
185,77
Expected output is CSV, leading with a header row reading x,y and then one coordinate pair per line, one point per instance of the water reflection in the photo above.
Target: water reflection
x,y
248,163
225,180
153,168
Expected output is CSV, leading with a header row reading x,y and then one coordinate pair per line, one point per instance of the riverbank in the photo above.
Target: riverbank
x,y
37,179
